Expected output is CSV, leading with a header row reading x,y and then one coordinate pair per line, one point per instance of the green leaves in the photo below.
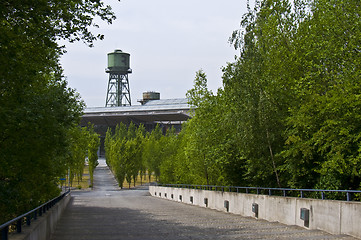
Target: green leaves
x,y
289,111
93,147
325,120
37,109
124,152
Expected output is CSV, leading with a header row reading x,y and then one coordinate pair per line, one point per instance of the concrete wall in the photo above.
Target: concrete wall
x,y
336,217
44,226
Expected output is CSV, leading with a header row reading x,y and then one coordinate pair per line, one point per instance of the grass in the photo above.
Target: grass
x,y
138,181
84,183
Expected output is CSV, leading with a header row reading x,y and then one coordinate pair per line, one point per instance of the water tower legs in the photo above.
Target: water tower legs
x,y
118,93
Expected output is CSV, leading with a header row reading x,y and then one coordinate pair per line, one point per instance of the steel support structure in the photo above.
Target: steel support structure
x,y
118,93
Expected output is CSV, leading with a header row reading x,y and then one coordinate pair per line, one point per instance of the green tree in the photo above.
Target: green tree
x,y
323,136
145,155
117,153
170,146
107,147
139,167
36,106
154,150
79,138
201,140
259,91
93,147
129,154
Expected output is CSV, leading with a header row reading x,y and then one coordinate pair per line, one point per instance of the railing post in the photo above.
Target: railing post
x,y
348,196
301,194
284,193
322,195
28,220
18,226
4,233
269,192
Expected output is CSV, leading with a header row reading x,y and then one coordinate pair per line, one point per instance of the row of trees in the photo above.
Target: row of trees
x,y
289,112
131,151
293,94
37,108
84,143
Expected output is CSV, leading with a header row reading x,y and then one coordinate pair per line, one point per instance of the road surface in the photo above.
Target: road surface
x,y
108,212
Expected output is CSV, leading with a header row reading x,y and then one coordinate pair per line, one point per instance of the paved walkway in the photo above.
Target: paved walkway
x,y
110,213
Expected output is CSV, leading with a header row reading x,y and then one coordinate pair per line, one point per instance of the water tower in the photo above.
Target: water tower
x,y
118,93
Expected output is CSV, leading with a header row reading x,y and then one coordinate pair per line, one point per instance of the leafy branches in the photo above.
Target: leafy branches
x,y
288,114
37,109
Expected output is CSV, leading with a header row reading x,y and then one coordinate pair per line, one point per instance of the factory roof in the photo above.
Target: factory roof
x,y
164,110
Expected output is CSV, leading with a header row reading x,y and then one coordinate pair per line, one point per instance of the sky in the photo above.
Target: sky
x,y
168,42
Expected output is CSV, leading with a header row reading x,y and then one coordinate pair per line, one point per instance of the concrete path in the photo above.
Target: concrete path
x,y
110,213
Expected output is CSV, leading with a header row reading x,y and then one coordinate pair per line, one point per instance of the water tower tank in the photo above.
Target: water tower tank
x,y
118,61
147,96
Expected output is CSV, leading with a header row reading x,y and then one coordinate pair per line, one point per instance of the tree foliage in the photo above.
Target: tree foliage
x,y
93,147
124,152
288,112
37,109
292,95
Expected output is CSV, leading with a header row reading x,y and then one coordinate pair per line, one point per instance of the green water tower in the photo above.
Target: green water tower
x,y
118,61
118,93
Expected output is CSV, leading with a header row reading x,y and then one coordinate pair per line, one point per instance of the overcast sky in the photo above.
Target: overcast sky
x,y
168,41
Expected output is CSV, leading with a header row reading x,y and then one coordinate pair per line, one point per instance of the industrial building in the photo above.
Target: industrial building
x,y
118,108
165,112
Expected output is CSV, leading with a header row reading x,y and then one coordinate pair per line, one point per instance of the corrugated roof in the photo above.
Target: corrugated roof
x,y
153,111
153,105
176,101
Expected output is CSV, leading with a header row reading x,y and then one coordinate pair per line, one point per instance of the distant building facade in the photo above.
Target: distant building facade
x,y
165,112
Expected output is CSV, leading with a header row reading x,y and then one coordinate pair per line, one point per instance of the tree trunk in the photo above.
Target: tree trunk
x,y
205,169
272,158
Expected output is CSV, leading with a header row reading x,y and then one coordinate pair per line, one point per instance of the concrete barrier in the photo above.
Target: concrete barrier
x,y
44,226
336,217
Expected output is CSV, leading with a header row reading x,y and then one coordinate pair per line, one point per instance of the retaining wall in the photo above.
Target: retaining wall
x,y
44,226
336,217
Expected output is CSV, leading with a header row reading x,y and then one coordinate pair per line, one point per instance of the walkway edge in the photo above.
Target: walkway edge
x,y
44,226
335,217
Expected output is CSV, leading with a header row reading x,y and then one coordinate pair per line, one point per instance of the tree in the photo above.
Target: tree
x,y
115,147
139,167
141,139
154,150
93,147
79,138
36,106
129,155
167,166
107,147
323,143
201,140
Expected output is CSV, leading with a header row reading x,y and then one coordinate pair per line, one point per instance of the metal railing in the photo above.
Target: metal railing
x,y
27,217
348,195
